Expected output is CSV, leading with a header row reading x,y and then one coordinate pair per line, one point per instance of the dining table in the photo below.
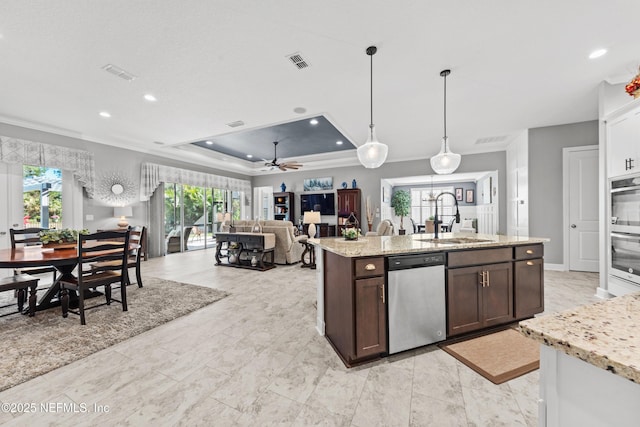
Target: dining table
x,y
64,260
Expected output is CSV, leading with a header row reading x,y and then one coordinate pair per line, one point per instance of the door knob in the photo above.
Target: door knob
x,y
573,226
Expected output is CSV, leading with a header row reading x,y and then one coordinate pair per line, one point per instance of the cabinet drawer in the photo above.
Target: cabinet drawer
x,y
252,240
476,257
529,251
366,267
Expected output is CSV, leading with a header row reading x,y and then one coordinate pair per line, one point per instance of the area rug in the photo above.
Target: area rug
x,y
32,346
499,357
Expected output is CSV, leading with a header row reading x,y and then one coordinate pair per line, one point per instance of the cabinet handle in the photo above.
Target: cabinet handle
x,y
529,251
628,163
382,294
488,279
484,278
529,262
370,267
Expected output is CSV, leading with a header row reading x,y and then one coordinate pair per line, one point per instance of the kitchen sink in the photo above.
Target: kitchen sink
x,y
455,240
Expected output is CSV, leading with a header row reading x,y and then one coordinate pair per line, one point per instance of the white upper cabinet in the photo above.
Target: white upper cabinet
x,y
623,144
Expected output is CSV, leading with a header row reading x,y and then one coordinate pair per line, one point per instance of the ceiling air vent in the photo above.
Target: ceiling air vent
x,y
117,71
298,61
235,124
491,139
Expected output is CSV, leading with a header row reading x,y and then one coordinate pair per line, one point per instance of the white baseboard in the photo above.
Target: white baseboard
x,y
603,293
555,267
320,326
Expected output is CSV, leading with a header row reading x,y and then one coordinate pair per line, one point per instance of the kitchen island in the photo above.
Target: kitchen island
x,y
589,363
490,280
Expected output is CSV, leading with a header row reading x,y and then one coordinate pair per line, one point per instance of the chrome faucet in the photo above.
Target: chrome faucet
x,y
436,223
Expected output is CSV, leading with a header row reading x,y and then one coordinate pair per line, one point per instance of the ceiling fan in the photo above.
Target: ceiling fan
x,y
282,166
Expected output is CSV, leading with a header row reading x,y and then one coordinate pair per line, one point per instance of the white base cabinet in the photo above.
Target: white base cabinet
x,y
576,393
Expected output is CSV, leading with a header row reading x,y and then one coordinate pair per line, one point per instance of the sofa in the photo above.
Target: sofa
x,y
288,247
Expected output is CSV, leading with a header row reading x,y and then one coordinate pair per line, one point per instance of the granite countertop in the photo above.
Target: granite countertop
x,y
413,243
604,334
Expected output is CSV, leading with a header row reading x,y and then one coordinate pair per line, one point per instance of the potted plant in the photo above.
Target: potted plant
x,y
401,203
61,238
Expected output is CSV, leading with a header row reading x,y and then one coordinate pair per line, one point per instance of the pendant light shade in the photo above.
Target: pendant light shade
x,y
372,153
445,162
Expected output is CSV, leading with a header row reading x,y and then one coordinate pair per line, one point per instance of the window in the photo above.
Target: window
x,y
423,205
42,197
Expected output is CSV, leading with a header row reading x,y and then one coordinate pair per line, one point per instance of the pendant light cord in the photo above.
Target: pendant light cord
x,y
371,92
445,107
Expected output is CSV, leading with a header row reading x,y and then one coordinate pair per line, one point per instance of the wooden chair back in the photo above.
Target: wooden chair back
x,y
137,238
21,237
109,249
25,236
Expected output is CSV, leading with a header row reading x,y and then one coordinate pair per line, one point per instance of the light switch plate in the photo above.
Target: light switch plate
x,y
89,217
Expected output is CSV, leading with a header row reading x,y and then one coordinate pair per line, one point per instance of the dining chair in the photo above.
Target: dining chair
x,y
196,233
137,244
21,283
29,237
103,246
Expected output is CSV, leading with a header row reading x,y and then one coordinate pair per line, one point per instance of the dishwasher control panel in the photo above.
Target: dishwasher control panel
x,y
414,261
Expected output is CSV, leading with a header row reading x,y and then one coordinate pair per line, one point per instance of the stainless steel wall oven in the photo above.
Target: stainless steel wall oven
x,y
625,228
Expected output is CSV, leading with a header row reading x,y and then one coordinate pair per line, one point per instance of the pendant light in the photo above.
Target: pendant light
x,y
372,153
445,162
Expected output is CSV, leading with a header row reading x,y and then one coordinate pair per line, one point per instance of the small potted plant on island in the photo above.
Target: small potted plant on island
x,y
351,228
401,202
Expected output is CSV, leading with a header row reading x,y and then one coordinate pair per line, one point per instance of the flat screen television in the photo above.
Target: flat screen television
x,y
325,203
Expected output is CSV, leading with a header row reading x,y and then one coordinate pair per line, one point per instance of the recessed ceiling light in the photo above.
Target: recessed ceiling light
x,y
597,53
209,142
313,121
150,97
105,114
338,142
249,156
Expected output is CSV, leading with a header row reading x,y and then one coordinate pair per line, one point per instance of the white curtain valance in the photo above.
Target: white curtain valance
x,y
153,174
79,162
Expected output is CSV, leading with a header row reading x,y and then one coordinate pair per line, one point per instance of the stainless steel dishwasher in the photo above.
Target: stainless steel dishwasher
x,y
416,301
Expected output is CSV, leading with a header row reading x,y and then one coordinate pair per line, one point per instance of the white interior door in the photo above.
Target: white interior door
x,y
583,248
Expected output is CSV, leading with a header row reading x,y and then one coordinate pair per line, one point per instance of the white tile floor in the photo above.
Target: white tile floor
x,y
255,358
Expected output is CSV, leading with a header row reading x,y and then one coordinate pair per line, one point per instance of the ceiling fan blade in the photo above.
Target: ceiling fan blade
x,y
292,164
282,167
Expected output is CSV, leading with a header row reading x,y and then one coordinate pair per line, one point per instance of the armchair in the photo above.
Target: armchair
x,y
173,239
385,228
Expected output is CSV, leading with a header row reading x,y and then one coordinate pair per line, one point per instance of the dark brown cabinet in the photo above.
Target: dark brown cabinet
x,y
479,296
283,207
349,201
355,306
324,229
529,281
371,338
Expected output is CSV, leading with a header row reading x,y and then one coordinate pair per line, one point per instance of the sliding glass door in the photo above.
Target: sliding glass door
x,y
192,215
